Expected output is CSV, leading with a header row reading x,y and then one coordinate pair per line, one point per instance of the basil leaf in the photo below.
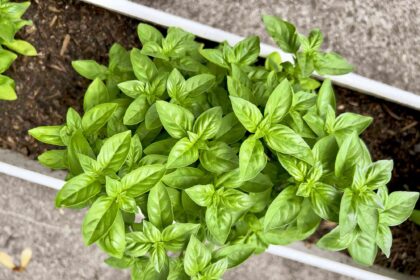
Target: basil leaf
x,y
114,151
175,119
279,102
137,110
184,177
97,93
283,210
201,194
348,213
99,219
197,257
252,158
54,159
90,69
159,207
282,32
284,140
247,113
334,241
142,179
144,69
219,158
363,249
176,235
97,117
47,134
77,191
182,154
113,243
332,64
398,208
208,123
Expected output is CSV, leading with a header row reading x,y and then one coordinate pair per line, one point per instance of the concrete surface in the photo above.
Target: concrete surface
x,y
28,219
381,38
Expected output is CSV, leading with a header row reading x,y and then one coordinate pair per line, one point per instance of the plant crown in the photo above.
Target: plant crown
x,y
192,159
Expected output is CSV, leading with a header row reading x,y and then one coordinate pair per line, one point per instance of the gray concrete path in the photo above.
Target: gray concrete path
x,y
381,38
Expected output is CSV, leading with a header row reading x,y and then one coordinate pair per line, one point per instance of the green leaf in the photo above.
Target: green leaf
x,y
133,88
350,153
201,194
384,239
54,159
219,158
217,269
90,69
148,33
6,59
99,219
199,84
184,177
113,243
282,32
332,64
363,249
21,47
114,151
77,145
252,158
325,200
197,257
97,117
47,134
379,173
159,258
398,208
283,210
137,110
348,213
325,98
333,240
159,207
97,93
247,51
142,179
219,222
284,140
247,113
208,123
349,122
235,254
175,119
279,102
182,154
176,235
215,56
77,191
144,69
7,88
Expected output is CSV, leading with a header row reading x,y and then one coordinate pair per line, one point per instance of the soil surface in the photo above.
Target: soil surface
x,y
47,85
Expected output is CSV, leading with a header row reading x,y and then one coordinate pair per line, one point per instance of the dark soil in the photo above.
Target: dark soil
x,y
47,86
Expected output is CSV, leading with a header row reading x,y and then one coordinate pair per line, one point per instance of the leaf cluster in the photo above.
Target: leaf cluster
x,y
191,159
10,22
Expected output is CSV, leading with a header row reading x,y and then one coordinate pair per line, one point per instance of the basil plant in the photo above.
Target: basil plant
x,y
192,159
10,23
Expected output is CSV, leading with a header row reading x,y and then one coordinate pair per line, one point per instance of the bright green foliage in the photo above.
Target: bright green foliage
x,y
10,22
190,160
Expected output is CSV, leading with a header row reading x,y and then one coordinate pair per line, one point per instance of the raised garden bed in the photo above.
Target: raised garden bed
x,y
47,86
